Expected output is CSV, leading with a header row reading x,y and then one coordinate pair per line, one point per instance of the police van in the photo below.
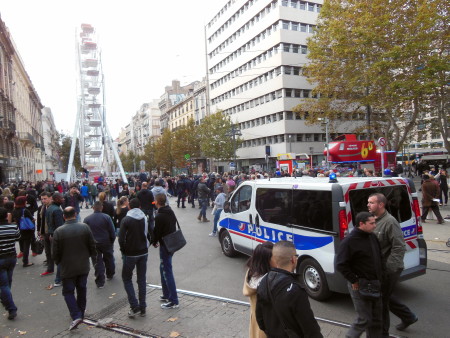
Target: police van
x,y
316,214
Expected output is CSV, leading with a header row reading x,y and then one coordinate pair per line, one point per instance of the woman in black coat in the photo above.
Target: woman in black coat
x,y
26,236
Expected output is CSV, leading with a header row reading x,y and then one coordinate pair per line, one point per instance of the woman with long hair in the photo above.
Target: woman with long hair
x,y
121,211
26,236
258,266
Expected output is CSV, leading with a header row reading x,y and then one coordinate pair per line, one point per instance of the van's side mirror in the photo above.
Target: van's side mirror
x,y
226,207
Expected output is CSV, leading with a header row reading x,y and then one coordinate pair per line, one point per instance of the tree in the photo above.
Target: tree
x,y
214,137
164,151
387,57
149,156
185,142
65,143
130,161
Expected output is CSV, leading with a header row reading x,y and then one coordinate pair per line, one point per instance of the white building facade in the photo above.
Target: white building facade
x,y
256,50
51,139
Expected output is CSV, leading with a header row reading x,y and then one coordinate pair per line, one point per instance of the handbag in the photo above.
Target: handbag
x,y
369,289
25,223
37,246
174,241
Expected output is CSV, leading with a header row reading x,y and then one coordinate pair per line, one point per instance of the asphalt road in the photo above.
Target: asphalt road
x,y
202,267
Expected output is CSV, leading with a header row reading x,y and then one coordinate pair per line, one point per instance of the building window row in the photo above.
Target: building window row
x,y
222,11
290,25
285,47
241,30
232,19
288,70
272,96
303,5
261,141
271,118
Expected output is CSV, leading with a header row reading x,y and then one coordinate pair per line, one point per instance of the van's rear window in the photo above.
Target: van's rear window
x,y
398,201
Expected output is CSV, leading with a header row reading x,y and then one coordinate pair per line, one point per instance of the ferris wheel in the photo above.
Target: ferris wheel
x,y
91,130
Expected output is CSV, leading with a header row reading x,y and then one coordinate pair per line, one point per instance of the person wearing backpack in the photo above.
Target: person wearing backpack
x,y
26,227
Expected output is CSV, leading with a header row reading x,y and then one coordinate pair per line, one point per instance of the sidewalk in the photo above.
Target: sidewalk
x,y
196,317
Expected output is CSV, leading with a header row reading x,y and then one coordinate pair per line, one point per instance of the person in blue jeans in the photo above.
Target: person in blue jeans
x,y
9,234
218,204
72,249
134,241
203,197
165,223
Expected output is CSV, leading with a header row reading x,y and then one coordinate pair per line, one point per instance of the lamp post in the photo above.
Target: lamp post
x,y
311,150
290,143
327,140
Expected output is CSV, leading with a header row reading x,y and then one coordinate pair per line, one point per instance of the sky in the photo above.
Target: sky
x,y
145,45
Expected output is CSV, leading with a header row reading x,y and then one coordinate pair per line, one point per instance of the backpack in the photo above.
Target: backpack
x,y
25,223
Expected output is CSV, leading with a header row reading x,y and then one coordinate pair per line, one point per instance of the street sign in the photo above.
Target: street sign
x,y
187,156
382,141
232,166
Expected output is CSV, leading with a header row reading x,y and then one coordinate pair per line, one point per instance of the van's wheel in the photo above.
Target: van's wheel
x,y
314,280
227,244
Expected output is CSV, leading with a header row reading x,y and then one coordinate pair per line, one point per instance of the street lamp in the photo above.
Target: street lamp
x,y
327,139
290,143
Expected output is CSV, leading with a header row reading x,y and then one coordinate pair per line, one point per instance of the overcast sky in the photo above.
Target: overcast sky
x,y
145,45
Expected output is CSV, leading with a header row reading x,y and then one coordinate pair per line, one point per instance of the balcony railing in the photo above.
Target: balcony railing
x,y
25,136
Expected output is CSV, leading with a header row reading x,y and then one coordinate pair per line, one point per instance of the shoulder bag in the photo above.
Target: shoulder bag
x,y
174,241
25,223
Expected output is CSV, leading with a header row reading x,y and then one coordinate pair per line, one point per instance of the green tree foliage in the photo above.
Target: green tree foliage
x,y
149,156
215,139
185,141
65,143
389,56
129,160
164,156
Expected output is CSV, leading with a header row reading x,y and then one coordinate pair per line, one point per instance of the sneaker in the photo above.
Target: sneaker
x,y
199,218
46,273
403,325
100,286
142,314
20,255
56,284
163,299
75,324
212,234
169,305
132,313
12,315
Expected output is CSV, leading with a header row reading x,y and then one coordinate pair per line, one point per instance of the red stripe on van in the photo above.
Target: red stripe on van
x,y
411,244
246,236
367,184
391,182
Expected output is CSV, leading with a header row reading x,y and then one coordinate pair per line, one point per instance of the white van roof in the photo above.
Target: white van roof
x,y
322,183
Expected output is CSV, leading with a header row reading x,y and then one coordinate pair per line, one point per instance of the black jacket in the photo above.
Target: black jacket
x,y
118,217
290,302
355,258
134,235
108,209
145,196
102,227
73,245
165,223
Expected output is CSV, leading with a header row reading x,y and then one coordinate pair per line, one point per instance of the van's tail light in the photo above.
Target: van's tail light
x,y
416,209
343,224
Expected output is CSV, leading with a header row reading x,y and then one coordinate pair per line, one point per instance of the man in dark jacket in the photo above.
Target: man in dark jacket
x,y
182,189
134,240
54,219
203,197
42,227
145,196
104,232
73,245
165,223
73,199
359,256
280,295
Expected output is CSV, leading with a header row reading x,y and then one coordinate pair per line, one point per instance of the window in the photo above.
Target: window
x,y
312,209
398,201
274,205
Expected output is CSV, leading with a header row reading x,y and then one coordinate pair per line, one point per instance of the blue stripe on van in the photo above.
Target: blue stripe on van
x,y
263,233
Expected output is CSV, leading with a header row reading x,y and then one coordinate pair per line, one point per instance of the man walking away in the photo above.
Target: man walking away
x,y
104,233
282,303
165,223
145,196
73,246
430,193
359,256
9,234
134,240
203,198
393,249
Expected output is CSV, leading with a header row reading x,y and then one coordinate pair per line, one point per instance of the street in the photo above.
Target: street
x,y
201,267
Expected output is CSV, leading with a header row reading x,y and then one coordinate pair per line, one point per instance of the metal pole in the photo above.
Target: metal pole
x,y
328,142
72,147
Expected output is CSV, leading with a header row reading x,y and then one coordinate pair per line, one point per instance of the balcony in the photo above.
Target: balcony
x,y
26,137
